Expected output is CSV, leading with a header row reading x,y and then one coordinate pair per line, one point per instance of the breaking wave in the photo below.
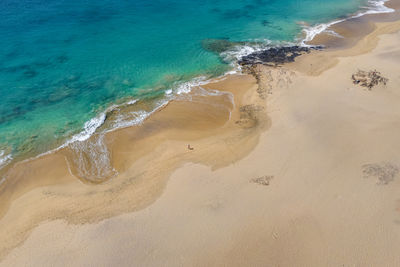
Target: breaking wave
x,y
373,7
309,33
92,160
5,158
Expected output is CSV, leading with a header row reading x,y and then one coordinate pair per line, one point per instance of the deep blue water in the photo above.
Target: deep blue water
x,y
63,62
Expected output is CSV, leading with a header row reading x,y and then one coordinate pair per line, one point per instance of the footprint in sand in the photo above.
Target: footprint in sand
x,y
384,172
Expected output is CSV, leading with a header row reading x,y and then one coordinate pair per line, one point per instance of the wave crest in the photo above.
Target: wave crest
x,y
5,158
373,7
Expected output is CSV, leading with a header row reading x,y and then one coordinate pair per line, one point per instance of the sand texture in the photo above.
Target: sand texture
x,y
297,165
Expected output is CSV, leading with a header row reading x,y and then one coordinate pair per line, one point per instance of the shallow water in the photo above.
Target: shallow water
x,y
64,62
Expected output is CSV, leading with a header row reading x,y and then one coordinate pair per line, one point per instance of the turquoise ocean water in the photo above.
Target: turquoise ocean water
x,y
64,62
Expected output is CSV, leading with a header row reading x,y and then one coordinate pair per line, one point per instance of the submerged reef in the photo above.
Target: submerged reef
x,y
219,45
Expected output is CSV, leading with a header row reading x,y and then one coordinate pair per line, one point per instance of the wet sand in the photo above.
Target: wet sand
x,y
301,169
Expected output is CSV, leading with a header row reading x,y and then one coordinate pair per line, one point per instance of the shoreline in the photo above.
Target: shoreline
x,y
310,34
240,126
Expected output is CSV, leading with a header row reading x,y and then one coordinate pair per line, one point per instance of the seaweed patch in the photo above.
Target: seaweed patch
x,y
384,172
368,79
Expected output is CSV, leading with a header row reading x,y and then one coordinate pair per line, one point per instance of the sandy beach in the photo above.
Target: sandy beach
x,y
294,165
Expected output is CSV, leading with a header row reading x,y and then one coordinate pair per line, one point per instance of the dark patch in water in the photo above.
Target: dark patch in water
x,y
61,59
30,70
265,22
92,85
14,69
249,6
30,73
7,115
67,88
69,39
28,145
219,45
17,110
11,55
60,94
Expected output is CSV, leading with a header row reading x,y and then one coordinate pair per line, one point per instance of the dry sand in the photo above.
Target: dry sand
x,y
303,170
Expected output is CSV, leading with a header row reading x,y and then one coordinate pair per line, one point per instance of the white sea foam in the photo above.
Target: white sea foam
x,y
186,87
131,102
311,32
92,159
4,158
89,128
243,50
128,119
373,7
238,52
133,118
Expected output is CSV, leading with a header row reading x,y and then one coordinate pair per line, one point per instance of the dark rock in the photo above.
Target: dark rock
x,y
276,55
